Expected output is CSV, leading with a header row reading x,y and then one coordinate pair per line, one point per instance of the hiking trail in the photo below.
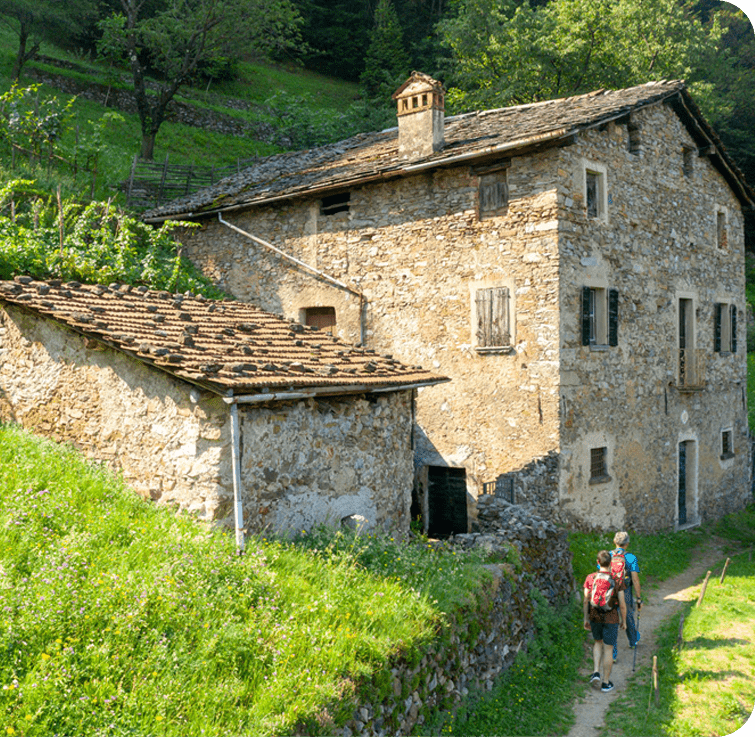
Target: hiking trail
x,y
662,601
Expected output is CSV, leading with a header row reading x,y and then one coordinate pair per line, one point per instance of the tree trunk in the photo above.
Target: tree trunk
x,y
148,146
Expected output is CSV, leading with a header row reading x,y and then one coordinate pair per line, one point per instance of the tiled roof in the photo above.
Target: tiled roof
x,y
373,156
224,346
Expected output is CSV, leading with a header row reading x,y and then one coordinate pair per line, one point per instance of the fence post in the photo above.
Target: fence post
x,y
162,181
655,678
131,179
723,573
702,591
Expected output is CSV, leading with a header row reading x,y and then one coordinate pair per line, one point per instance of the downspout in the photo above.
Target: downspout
x,y
317,272
236,464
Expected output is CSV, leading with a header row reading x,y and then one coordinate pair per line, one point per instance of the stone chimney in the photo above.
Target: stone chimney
x,y
420,108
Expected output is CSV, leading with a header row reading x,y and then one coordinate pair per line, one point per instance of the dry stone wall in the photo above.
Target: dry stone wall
x,y
482,642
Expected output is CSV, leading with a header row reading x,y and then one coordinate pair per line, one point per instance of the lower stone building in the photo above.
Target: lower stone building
x,y
229,412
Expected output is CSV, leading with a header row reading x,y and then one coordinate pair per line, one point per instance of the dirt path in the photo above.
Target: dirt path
x,y
590,709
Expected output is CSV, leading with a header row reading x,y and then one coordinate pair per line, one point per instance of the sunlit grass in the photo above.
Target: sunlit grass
x,y
121,617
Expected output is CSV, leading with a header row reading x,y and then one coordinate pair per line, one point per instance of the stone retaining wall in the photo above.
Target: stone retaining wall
x,y
484,638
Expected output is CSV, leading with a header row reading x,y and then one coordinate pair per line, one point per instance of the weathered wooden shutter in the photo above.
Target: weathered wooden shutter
x,y
717,327
586,316
733,328
493,195
447,501
613,317
493,317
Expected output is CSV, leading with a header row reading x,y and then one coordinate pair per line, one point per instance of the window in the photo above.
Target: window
x,y
727,445
688,158
599,465
600,316
634,143
335,203
493,321
721,233
323,318
725,330
595,192
493,193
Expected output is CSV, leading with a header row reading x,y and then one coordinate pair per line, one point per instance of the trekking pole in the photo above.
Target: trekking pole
x,y
636,642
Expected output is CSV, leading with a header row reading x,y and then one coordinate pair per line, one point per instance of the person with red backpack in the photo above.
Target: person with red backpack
x,y
604,612
632,593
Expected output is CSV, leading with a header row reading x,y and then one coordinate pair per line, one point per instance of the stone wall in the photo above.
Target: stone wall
x,y
417,249
656,244
318,461
466,659
303,463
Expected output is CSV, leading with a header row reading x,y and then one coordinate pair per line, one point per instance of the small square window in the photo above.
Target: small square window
x,y
727,444
323,318
493,318
335,203
599,465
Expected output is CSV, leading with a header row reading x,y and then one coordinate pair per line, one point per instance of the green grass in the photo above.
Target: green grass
x,y
661,555
121,617
706,687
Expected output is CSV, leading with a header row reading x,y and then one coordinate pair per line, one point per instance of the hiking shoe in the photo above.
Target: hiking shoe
x,y
606,687
595,679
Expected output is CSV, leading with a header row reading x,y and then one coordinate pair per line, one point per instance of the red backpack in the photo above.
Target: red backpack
x,y
603,592
618,566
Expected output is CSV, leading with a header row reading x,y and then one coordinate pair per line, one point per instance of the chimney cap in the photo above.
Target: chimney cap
x,y
418,82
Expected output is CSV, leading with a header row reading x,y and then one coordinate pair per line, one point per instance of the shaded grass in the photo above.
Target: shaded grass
x,y
534,696
661,555
122,617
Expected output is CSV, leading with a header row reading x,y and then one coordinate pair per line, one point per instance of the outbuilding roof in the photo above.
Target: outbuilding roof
x,y
469,138
227,347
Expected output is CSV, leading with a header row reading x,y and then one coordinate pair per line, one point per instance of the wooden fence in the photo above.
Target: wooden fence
x,y
150,184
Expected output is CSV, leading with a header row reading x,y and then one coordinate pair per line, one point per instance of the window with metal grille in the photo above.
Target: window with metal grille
x,y
334,203
598,465
725,328
600,316
493,320
727,447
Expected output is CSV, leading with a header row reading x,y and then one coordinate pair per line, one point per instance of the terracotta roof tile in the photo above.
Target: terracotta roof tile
x,y
222,345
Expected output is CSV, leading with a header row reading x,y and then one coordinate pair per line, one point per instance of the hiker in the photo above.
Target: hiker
x,y
631,587
604,612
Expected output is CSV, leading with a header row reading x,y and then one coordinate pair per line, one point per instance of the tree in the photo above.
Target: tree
x,y
387,62
173,37
504,52
34,21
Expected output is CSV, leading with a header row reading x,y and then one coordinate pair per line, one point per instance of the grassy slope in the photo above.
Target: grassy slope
x,y
121,617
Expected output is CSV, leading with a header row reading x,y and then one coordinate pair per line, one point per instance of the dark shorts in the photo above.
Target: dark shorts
x,y
609,633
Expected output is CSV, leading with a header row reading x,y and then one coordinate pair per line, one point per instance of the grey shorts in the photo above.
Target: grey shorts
x,y
609,633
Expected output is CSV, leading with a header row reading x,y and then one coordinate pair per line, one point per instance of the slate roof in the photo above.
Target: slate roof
x,y
226,347
468,138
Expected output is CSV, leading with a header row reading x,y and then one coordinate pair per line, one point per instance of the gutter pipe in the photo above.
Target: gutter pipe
x,y
236,464
316,272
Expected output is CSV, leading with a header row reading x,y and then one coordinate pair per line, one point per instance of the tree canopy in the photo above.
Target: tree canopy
x,y
173,37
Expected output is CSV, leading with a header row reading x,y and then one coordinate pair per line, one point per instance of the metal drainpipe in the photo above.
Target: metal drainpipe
x,y
321,274
236,463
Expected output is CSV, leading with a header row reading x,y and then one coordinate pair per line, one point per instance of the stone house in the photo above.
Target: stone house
x,y
576,266
228,411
